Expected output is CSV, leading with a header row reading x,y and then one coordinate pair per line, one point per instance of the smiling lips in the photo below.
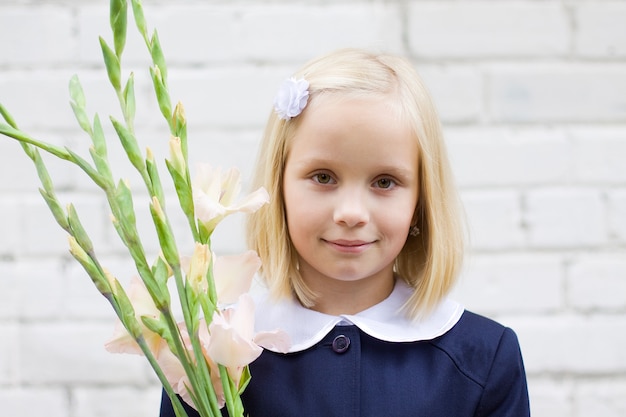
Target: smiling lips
x,y
349,246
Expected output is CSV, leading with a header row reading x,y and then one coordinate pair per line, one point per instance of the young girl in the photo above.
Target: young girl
x,y
361,244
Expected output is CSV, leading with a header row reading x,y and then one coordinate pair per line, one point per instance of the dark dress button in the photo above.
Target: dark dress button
x,y
341,343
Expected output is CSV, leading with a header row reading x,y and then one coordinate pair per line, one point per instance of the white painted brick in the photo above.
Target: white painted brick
x,y
501,157
35,36
230,103
576,345
118,401
225,149
495,219
24,402
42,235
9,291
557,93
457,92
550,398
9,223
484,28
92,21
73,353
600,29
9,351
40,284
492,284
18,172
265,32
83,301
38,99
532,96
599,155
598,282
617,214
605,398
221,33
566,218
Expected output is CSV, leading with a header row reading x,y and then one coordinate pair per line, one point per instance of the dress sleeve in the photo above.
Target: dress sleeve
x,y
506,391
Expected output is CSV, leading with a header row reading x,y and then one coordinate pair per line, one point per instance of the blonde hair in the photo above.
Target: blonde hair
x,y
429,262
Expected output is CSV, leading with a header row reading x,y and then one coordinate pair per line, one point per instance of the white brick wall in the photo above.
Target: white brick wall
x,y
533,98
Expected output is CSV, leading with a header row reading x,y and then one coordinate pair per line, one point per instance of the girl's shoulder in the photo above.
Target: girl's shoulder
x,y
477,343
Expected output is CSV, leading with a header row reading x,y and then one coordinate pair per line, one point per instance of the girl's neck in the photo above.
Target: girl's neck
x,y
351,297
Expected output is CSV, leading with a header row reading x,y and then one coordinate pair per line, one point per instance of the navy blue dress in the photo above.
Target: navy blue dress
x,y
473,370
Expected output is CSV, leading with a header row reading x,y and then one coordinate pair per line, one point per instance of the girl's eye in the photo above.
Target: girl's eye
x,y
322,178
384,183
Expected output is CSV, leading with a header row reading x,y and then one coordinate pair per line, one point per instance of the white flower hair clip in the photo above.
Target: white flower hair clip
x,y
291,98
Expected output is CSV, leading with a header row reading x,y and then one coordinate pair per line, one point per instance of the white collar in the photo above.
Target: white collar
x,y
384,321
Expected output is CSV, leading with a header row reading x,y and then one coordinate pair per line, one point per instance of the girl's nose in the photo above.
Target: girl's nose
x,y
351,208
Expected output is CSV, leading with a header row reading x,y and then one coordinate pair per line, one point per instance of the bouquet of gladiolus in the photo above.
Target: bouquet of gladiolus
x,y
204,358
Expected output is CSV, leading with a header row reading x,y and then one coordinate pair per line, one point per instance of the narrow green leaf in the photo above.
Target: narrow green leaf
x,y
156,325
155,180
78,103
99,141
140,19
124,199
78,231
161,272
180,127
7,116
76,92
183,190
129,98
164,233
127,311
87,168
112,65
158,58
129,142
118,12
24,138
42,172
56,209
162,94
102,166
88,264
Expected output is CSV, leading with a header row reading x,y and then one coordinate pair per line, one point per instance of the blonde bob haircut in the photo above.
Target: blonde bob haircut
x,y
429,262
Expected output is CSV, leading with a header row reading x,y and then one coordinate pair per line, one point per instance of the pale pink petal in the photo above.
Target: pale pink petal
x,y
231,186
242,316
252,202
214,194
174,373
207,180
275,340
233,275
207,208
231,336
122,341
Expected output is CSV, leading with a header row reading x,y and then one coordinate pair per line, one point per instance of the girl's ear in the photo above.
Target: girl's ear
x,y
418,215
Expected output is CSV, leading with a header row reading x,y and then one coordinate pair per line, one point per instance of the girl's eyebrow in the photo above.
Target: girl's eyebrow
x,y
394,170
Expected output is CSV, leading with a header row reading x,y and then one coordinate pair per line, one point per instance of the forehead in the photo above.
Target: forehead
x,y
354,129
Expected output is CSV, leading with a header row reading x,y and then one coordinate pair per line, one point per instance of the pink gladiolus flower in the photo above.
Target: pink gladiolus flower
x,y
175,373
122,341
214,195
198,268
229,341
232,340
233,275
